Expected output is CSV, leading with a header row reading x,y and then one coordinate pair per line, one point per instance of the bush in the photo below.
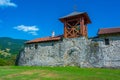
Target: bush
x,y
6,58
3,62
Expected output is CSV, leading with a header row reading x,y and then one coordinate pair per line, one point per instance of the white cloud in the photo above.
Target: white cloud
x,y
29,29
6,3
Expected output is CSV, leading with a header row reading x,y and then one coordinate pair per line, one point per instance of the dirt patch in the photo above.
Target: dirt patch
x,y
98,73
51,75
48,74
22,73
36,79
12,75
42,73
28,72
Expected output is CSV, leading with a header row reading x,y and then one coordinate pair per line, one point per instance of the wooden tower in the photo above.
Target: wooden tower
x,y
75,24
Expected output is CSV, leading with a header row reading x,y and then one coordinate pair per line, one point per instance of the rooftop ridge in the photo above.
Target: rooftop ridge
x,y
109,28
72,14
45,39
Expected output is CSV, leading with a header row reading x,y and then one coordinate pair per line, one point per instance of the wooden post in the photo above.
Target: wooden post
x,y
81,26
86,30
65,30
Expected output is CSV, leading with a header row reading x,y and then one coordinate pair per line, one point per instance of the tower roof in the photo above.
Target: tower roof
x,y
76,14
73,14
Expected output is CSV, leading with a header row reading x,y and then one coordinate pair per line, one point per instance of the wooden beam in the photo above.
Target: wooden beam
x,y
77,23
65,30
69,24
70,20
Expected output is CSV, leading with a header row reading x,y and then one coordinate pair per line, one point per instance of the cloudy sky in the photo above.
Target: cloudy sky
x,y
29,19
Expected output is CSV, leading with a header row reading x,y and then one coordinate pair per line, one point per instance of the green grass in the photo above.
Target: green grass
x,y
57,73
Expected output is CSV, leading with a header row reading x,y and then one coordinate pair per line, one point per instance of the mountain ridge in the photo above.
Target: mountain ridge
x,y
15,45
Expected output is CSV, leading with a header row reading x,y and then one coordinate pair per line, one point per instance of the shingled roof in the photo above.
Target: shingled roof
x,y
109,31
76,14
46,39
73,14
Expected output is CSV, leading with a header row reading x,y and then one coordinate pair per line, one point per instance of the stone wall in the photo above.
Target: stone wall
x,y
109,55
68,52
47,54
73,52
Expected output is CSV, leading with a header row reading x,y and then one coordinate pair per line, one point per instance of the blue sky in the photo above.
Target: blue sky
x,y
29,19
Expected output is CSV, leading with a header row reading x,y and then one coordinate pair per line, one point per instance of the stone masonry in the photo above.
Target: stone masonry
x,y
80,52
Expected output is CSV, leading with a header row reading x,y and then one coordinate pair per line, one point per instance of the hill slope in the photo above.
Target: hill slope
x,y
15,45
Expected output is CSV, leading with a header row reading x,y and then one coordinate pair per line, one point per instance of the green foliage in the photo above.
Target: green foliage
x,y
6,58
4,53
7,61
3,62
9,48
57,73
15,45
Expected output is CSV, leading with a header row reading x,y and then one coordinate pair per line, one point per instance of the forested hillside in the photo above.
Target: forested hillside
x,y
15,45
9,48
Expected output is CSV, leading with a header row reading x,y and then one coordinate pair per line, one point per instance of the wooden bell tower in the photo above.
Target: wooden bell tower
x,y
75,24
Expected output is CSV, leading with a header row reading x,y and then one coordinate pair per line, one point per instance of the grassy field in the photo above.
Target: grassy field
x,y
57,73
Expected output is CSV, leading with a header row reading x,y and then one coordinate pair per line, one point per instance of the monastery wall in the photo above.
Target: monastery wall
x,y
68,52
107,55
73,52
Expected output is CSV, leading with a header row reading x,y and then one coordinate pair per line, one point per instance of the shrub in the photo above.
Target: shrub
x,y
3,62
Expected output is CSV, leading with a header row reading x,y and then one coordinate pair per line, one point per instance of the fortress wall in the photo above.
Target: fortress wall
x,y
68,52
73,52
47,54
110,53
